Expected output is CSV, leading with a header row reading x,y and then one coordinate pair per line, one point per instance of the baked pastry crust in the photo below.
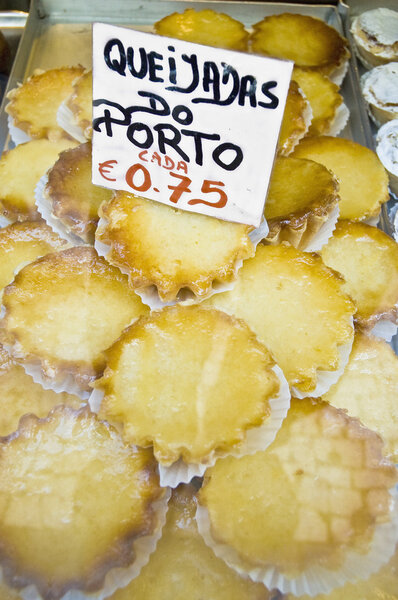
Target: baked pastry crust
x,y
75,200
184,567
58,478
34,104
307,41
204,27
64,309
296,120
316,492
20,170
222,391
302,196
80,103
20,395
368,260
280,293
368,389
21,243
323,96
375,35
171,249
363,179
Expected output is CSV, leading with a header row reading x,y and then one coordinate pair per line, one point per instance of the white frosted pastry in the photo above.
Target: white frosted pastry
x,y
380,90
376,36
387,151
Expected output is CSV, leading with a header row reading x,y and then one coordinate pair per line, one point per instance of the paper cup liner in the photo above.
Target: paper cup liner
x,y
316,579
17,135
339,73
4,221
325,379
119,576
384,329
340,120
149,294
66,120
257,438
324,233
44,207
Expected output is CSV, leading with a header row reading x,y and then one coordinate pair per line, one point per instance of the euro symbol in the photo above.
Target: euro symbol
x,y
106,167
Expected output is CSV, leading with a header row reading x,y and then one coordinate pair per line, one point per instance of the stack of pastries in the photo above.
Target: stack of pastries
x,y
194,408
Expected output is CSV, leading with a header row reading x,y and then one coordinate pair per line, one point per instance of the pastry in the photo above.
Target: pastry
x,y
80,103
363,179
168,248
376,36
387,151
184,567
368,389
380,90
204,27
300,508
296,120
212,385
58,478
280,293
301,204
20,170
21,243
329,113
307,41
33,105
368,260
73,201
62,311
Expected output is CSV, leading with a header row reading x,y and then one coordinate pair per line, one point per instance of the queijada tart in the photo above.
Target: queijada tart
x,y
168,249
212,375
62,311
33,105
387,151
376,37
183,566
368,389
204,27
308,511
66,197
302,203
368,260
75,114
280,293
21,243
329,113
380,90
296,120
20,170
20,395
75,503
307,41
362,178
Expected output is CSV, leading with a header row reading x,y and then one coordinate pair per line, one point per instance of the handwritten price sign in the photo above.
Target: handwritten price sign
x,y
184,124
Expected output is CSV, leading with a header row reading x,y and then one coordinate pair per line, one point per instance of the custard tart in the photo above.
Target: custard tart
x,y
80,104
296,120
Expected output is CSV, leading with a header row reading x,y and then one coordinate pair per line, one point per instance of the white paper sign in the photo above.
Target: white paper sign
x,y
191,126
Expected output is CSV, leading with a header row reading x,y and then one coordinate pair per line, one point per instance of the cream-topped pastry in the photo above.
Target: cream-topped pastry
x,y
212,376
59,476
302,506
308,41
329,113
362,178
380,90
183,566
20,170
368,389
62,311
296,120
387,151
168,248
73,199
280,293
368,260
302,201
33,105
204,27
376,36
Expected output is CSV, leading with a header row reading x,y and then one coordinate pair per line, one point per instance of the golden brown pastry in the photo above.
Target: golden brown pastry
x,y
296,120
